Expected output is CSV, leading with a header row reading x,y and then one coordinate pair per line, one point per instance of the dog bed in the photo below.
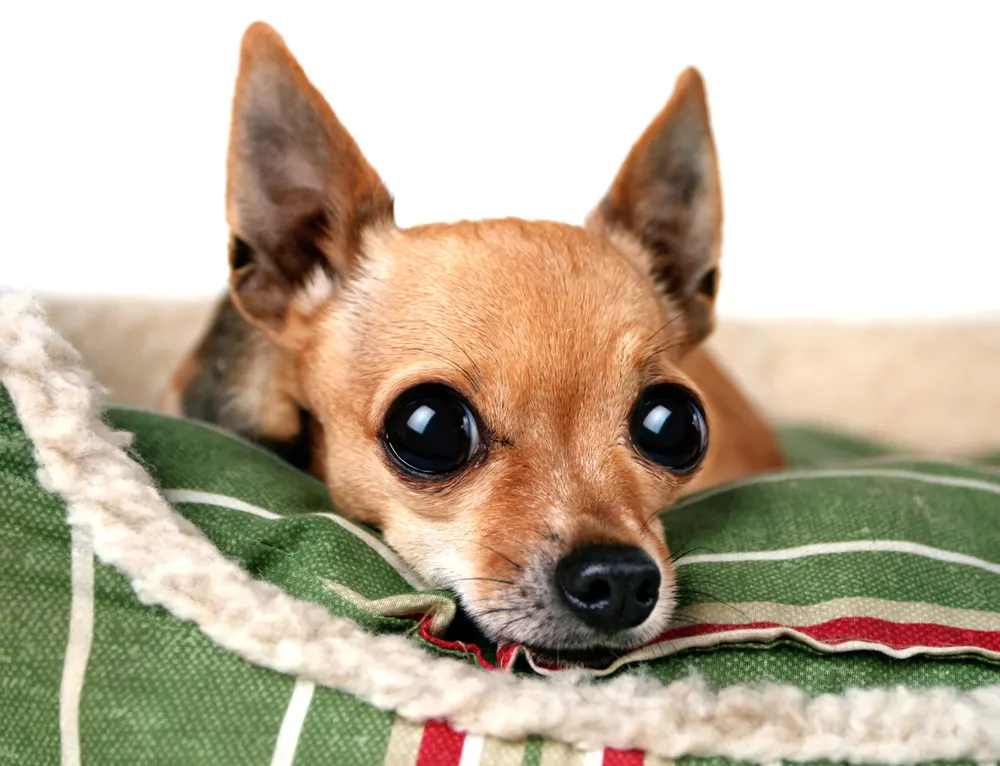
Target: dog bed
x,y
205,603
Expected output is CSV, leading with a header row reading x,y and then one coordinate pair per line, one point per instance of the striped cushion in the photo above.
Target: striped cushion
x,y
823,577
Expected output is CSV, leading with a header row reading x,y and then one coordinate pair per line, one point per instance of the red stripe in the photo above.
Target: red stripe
x,y
870,630
440,745
895,635
623,758
460,646
507,654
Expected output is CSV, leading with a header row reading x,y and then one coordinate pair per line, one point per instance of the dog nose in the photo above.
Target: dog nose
x,y
609,587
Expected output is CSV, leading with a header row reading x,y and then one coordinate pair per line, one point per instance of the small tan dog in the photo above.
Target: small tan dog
x,y
511,402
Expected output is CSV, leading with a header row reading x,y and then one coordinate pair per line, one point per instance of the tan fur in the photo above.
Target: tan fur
x,y
549,331
170,400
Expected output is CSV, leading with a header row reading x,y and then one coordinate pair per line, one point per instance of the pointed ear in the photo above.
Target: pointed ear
x,y
299,192
667,195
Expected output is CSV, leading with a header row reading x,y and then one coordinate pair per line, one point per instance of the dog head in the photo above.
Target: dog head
x,y
502,398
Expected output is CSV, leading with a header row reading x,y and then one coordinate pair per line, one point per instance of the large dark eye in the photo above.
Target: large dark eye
x,y
668,427
430,430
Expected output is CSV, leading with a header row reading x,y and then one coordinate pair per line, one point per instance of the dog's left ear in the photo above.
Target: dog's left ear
x,y
667,195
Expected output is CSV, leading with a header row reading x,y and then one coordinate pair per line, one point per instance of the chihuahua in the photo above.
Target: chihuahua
x,y
513,403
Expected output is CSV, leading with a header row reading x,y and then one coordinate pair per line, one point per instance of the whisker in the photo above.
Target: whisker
x,y
509,560
685,620
682,341
652,516
690,592
459,347
665,326
500,633
486,579
686,550
552,534
451,362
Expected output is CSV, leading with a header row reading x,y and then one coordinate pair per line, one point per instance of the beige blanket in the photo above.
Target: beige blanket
x,y
931,388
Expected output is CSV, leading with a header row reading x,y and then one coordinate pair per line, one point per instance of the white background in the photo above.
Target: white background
x,y
860,141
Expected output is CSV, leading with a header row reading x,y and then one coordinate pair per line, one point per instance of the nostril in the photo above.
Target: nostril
x,y
647,592
597,590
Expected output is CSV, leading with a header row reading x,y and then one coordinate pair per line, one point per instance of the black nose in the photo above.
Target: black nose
x,y
609,587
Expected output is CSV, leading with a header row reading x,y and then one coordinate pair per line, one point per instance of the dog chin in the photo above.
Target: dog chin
x,y
563,638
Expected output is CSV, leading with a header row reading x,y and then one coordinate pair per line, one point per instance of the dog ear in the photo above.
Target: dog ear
x,y
667,195
299,192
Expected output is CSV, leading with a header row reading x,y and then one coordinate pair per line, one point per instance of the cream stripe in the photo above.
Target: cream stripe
x,y
234,504
854,546
911,459
845,473
500,752
291,725
559,754
78,643
176,496
472,751
404,743
811,614
771,634
594,758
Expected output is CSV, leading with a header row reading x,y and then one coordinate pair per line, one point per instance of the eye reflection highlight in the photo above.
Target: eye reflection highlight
x,y
656,418
420,418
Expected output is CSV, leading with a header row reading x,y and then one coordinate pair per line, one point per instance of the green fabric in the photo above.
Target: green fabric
x,y
34,602
807,447
158,691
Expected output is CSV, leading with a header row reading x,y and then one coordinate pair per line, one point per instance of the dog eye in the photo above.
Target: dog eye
x,y
431,430
668,427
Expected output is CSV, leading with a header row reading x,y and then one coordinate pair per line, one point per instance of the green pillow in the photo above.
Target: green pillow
x,y
849,570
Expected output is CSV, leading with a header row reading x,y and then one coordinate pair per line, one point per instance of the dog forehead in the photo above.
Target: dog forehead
x,y
541,309
516,272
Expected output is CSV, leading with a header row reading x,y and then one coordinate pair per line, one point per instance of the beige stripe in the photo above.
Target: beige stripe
x,y
291,725
81,634
558,754
772,634
841,473
404,743
811,614
847,546
905,459
500,752
655,760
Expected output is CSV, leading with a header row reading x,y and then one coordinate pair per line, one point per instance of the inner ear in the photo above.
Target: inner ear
x,y
268,282
667,196
709,284
241,255
299,192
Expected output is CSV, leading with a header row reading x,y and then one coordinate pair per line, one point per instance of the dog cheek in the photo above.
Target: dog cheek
x,y
434,549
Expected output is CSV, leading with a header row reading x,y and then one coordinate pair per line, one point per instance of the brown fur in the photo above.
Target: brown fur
x,y
549,331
